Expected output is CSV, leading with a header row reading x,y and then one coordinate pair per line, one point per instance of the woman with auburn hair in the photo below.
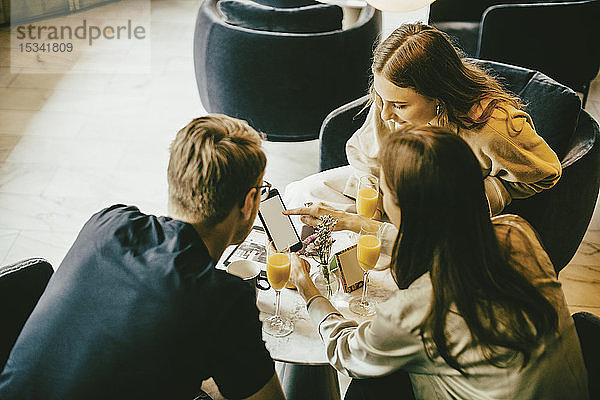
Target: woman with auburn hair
x,y
478,314
420,78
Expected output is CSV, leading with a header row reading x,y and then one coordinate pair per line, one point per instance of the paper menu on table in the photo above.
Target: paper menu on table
x,y
253,248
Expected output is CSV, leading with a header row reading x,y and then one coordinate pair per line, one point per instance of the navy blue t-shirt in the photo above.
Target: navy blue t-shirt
x,y
137,309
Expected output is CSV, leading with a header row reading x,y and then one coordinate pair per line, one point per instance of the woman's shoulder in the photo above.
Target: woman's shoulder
x,y
508,119
506,125
521,242
514,230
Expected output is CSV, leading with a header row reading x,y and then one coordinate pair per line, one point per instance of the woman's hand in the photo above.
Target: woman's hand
x,y
346,221
300,278
312,212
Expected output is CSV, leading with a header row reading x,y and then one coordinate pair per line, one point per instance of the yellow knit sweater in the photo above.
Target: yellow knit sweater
x,y
515,161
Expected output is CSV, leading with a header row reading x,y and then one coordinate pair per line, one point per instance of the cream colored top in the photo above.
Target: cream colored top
x,y
388,343
515,161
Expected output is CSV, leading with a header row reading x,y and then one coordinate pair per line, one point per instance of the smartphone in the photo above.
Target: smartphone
x,y
279,227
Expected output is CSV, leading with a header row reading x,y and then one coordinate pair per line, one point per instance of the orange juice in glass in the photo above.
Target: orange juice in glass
x,y
368,249
278,273
367,196
278,270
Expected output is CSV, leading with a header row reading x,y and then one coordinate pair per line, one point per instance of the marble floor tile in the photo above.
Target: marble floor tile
x,y
129,83
588,253
593,310
23,99
184,106
42,123
581,284
7,239
67,152
288,162
595,221
595,88
593,108
86,182
172,10
149,156
91,103
592,236
45,213
52,246
25,178
7,145
131,127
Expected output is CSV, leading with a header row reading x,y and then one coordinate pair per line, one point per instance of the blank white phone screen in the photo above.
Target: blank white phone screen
x,y
279,225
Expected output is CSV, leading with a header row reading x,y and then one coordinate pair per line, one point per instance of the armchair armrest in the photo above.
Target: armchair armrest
x,y
336,129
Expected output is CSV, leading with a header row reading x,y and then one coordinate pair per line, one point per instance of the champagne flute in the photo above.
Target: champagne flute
x,y
367,196
278,273
368,249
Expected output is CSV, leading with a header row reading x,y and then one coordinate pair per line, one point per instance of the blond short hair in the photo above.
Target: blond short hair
x,y
215,160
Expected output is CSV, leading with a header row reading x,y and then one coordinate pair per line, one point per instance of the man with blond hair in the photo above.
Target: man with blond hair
x,y
137,308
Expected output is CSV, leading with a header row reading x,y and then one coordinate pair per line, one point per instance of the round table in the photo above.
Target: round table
x,y
303,368
304,345
301,360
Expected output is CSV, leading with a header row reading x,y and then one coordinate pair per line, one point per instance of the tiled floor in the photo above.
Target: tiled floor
x,y
73,143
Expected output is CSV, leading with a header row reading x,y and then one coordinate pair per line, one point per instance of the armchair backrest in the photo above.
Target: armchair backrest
x,y
553,38
21,286
553,107
283,84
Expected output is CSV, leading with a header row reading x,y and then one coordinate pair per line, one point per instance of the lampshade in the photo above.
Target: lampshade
x,y
399,6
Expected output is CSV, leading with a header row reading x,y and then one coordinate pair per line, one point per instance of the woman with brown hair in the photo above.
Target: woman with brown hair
x,y
478,314
420,78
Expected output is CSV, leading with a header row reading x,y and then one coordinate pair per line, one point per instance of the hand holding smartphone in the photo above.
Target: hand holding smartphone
x,y
279,227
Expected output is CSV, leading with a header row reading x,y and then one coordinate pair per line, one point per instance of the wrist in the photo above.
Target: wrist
x,y
307,288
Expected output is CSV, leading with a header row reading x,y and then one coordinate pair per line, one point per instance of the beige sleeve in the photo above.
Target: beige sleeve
x,y
522,163
361,150
370,349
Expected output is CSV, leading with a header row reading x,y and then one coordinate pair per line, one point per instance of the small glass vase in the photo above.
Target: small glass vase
x,y
327,285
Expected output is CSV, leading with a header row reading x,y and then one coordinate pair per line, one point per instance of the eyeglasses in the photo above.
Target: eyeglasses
x,y
264,190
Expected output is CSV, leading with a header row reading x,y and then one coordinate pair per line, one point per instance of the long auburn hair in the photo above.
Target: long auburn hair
x,y
422,58
446,230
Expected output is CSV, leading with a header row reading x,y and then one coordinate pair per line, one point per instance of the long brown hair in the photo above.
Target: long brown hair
x,y
422,58
446,230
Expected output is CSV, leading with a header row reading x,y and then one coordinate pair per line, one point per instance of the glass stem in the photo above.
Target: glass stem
x,y
277,293
364,293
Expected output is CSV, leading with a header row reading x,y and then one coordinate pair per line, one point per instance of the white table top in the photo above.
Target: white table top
x,y
303,345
